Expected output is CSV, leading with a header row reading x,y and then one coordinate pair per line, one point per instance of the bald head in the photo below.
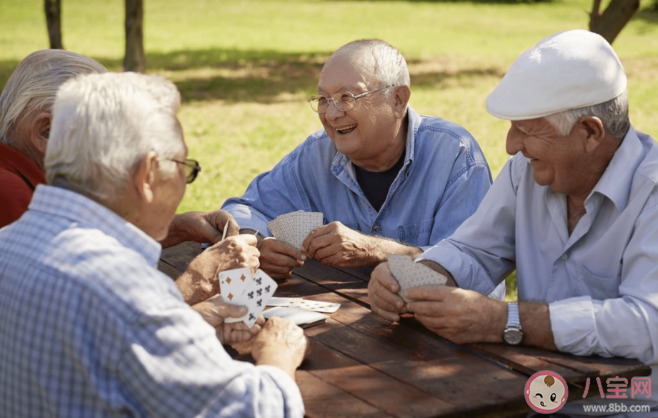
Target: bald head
x,y
373,57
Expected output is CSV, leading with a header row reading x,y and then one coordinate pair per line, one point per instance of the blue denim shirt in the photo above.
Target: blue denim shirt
x,y
442,181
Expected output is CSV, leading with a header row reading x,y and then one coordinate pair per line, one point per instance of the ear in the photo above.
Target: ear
x,y
401,95
40,130
145,176
592,129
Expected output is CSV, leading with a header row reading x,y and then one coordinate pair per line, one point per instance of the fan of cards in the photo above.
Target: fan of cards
x,y
293,228
240,287
302,312
409,274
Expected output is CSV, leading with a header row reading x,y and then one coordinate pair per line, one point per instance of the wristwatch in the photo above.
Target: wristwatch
x,y
513,333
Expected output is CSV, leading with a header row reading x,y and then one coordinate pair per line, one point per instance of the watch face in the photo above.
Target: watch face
x,y
513,336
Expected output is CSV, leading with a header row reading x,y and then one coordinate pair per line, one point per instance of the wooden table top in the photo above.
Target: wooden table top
x,y
364,366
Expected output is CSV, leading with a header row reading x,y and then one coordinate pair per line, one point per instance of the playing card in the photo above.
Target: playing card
x,y
294,227
232,283
311,305
410,274
257,293
302,317
316,305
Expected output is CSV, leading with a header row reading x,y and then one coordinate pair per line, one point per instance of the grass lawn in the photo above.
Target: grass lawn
x,y
244,68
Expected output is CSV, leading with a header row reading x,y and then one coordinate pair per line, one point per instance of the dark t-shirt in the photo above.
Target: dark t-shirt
x,y
375,185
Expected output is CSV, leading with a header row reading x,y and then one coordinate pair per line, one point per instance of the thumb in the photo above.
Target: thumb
x,y
233,311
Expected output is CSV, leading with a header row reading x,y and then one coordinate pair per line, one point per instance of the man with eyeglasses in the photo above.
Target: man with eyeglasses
x,y
388,181
88,325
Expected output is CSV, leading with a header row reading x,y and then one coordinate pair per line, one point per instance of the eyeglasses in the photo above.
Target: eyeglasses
x,y
191,168
346,101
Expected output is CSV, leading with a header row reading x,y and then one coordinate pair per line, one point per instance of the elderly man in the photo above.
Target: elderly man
x,y
89,326
387,180
575,211
25,116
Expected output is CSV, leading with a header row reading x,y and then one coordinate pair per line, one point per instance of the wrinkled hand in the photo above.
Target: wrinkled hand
x,y
200,227
199,281
280,343
462,316
383,294
337,245
278,258
214,311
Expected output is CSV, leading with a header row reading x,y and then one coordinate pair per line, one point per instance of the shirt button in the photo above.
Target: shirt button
x,y
565,257
377,228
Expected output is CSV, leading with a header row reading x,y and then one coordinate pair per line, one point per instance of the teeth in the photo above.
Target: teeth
x,y
345,128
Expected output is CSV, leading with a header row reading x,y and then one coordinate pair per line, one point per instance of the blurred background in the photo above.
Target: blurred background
x,y
245,67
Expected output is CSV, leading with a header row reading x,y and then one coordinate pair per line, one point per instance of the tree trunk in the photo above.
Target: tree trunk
x,y
134,59
54,21
613,19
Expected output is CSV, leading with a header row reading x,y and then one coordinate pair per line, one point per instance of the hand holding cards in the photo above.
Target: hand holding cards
x,y
410,274
293,228
240,287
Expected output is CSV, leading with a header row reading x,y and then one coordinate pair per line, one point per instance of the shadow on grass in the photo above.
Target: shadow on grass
x,y
235,76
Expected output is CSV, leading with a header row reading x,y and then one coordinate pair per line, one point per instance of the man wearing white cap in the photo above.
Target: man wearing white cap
x,y
574,211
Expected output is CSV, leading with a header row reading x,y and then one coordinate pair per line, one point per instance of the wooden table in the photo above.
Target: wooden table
x,y
364,366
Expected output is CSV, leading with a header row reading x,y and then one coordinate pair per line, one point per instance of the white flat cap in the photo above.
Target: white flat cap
x,y
568,70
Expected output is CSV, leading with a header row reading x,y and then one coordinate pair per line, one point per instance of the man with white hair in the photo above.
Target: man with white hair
x,y
574,211
89,326
388,181
25,117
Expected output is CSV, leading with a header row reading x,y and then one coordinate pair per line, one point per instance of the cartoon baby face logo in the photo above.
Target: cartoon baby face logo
x,y
546,392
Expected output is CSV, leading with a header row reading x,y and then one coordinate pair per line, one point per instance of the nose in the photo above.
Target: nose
x,y
332,111
514,142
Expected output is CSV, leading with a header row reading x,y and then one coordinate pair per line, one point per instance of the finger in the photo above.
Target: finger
x,y
247,239
281,247
385,299
276,272
319,231
233,228
382,275
385,314
429,292
321,239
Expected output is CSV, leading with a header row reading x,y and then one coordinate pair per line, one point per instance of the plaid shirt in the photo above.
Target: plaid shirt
x,y
89,327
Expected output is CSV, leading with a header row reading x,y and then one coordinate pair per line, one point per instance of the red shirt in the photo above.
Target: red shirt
x,y
18,178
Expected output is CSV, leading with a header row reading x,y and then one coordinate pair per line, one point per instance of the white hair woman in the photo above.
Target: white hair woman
x,y
25,114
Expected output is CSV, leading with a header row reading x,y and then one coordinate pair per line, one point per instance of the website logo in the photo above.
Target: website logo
x,y
546,392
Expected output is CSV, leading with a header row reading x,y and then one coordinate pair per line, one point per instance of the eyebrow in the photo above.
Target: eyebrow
x,y
342,90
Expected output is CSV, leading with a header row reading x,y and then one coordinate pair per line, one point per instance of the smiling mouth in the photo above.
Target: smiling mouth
x,y
542,404
346,129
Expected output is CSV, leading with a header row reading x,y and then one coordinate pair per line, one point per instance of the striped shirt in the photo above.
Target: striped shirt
x,y
89,327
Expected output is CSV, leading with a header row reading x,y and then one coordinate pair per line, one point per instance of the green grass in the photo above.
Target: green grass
x,y
244,68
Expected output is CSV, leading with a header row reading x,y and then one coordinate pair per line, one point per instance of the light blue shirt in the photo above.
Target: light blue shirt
x,y
601,282
89,327
442,181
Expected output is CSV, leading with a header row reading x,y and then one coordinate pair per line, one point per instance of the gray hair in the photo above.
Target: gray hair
x,y
613,114
104,124
32,86
390,66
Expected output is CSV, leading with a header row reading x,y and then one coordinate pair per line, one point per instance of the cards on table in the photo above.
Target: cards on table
x,y
311,305
240,287
410,274
293,228
300,316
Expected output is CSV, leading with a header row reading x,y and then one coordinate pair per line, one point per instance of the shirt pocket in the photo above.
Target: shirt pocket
x,y
416,234
598,287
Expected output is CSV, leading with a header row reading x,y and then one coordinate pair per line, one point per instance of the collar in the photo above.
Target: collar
x,y
16,161
87,213
615,183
